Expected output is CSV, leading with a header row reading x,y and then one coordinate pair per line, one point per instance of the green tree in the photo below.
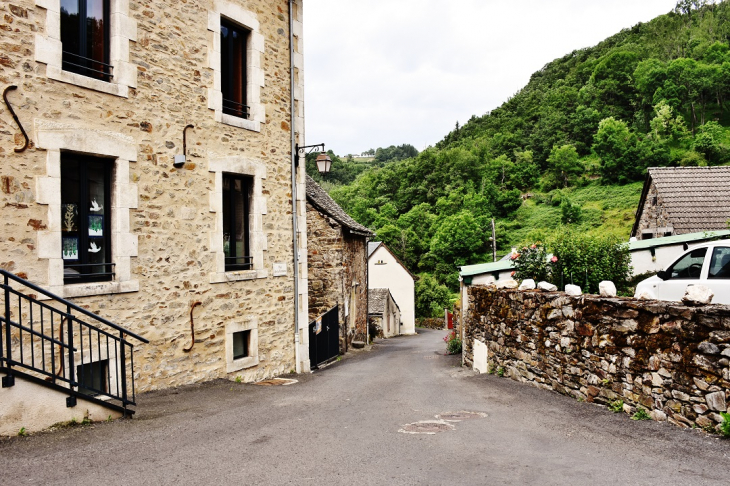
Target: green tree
x,y
616,146
431,297
564,165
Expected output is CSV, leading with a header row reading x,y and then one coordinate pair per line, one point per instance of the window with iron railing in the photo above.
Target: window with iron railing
x,y
85,38
86,218
234,76
236,210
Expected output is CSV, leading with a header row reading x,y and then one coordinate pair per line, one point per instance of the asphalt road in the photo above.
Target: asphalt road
x,y
341,425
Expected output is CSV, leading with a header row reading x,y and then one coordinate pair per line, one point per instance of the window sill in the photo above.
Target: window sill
x,y
94,288
235,121
242,364
237,276
87,82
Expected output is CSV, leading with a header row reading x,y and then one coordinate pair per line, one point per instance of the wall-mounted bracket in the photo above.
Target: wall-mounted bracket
x,y
180,159
15,117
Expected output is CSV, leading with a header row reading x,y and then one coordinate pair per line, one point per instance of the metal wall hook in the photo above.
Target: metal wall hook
x,y
180,159
15,117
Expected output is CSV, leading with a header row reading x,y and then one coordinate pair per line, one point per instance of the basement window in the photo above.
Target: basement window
x,y
93,377
241,344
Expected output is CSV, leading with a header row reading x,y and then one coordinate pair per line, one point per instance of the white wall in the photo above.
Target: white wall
x,y
487,278
36,407
643,262
391,275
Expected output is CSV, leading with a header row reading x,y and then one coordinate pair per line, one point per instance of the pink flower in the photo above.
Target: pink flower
x,y
512,274
533,246
554,259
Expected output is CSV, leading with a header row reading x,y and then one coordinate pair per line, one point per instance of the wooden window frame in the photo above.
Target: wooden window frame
x,y
234,69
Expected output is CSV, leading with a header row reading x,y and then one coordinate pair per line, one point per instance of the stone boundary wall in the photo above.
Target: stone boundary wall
x,y
431,323
668,358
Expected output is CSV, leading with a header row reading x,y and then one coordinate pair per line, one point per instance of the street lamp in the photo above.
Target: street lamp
x,y
323,160
323,163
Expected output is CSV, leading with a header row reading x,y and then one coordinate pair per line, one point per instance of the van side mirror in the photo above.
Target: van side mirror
x,y
663,274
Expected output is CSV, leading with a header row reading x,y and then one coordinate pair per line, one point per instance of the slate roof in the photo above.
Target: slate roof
x,y
319,198
695,198
377,298
372,246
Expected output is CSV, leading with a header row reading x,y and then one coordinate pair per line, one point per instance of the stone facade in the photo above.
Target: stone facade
x,y
670,359
337,274
167,241
654,221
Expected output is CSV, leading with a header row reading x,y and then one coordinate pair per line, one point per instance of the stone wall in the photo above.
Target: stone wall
x,y
654,217
337,274
167,222
665,357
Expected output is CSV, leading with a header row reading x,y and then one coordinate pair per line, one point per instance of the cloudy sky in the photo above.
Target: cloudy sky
x,y
389,72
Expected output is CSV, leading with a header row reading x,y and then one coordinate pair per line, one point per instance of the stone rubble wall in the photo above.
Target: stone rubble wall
x,y
175,213
670,359
337,259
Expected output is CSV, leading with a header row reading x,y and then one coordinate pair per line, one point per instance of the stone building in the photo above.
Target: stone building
x,y
682,200
337,259
111,94
383,314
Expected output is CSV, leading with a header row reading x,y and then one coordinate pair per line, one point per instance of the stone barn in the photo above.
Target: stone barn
x,y
337,265
682,200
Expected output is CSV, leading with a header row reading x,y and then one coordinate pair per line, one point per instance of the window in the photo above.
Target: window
x,y
92,377
720,263
235,54
236,210
85,219
85,38
242,345
689,266
241,341
234,41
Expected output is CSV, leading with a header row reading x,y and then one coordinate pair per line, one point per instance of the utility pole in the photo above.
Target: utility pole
x,y
494,242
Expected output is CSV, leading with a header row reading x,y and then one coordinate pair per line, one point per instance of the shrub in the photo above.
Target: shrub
x,y
725,424
532,262
586,260
453,343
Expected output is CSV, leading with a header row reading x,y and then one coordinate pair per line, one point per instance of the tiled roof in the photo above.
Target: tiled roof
x,y
377,298
695,198
372,246
319,198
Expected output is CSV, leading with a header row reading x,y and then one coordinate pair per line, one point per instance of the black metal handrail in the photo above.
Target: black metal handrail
x,y
50,344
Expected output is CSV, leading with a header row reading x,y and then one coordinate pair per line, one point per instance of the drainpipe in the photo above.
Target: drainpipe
x,y
298,366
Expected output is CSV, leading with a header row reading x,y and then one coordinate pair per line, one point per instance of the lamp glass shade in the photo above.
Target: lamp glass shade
x,y
323,163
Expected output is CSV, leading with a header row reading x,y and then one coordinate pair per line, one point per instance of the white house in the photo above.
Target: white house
x,y
385,271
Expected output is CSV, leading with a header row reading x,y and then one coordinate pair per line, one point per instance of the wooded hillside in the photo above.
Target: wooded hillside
x,y
570,148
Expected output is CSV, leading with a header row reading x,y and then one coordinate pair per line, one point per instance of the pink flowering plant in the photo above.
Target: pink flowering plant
x,y
453,343
532,261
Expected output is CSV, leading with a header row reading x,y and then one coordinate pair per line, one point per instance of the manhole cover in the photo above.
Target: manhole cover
x,y
459,416
426,427
276,382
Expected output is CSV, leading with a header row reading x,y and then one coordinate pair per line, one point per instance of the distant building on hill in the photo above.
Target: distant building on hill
x,y
682,200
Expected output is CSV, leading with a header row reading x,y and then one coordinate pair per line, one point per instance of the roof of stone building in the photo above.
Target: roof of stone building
x,y
695,198
377,298
319,198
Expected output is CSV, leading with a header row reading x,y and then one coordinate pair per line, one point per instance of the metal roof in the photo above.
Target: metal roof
x,y
677,239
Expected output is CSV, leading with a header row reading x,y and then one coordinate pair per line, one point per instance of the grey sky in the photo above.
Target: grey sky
x,y
388,72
